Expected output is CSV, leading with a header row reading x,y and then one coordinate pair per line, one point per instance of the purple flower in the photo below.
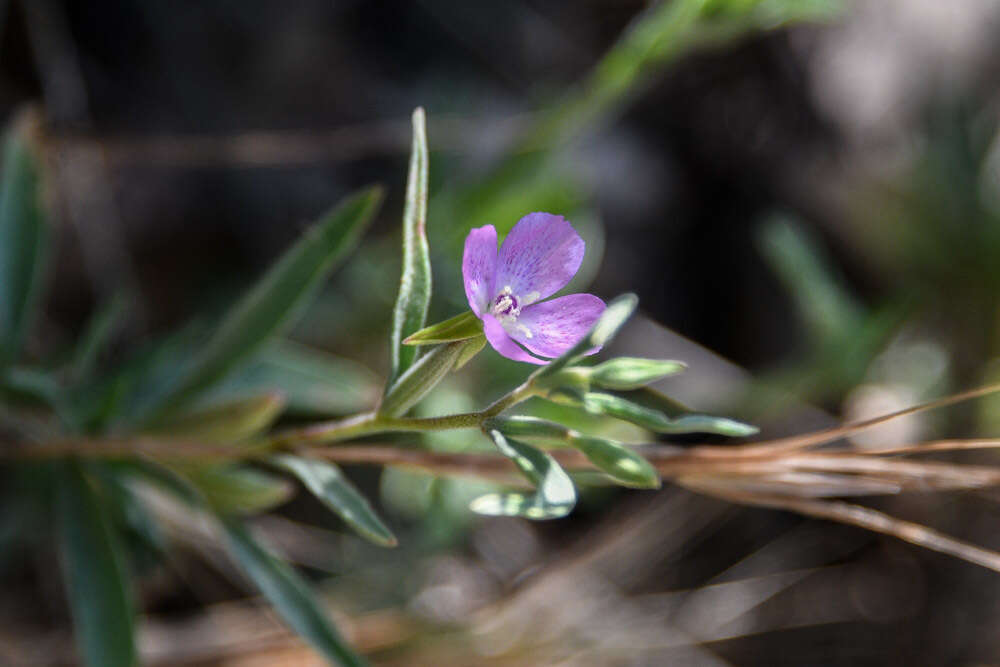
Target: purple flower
x,y
538,257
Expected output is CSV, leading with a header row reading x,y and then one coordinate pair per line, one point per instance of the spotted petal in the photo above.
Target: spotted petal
x,y
479,263
552,327
538,257
503,344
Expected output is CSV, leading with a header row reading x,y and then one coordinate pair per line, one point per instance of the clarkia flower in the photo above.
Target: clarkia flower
x,y
505,290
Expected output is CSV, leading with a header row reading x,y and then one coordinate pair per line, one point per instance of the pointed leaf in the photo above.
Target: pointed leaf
x,y
422,377
96,577
618,461
228,422
330,486
233,489
414,297
289,594
460,327
276,298
554,497
632,372
315,383
95,338
614,458
24,239
470,349
654,420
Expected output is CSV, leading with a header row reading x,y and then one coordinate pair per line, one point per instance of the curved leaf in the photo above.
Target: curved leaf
x,y
621,463
24,242
232,489
227,422
329,485
555,495
96,577
654,420
289,594
276,298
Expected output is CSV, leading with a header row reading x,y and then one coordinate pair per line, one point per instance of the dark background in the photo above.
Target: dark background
x,y
194,140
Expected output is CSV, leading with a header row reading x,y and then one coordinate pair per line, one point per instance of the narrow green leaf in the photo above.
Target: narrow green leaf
x,y
654,420
421,378
632,372
611,456
521,426
96,577
289,594
24,239
31,384
618,461
228,422
460,327
99,330
276,298
607,325
410,312
315,383
329,485
233,489
554,497
470,349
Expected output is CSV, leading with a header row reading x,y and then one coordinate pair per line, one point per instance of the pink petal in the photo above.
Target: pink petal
x,y
557,325
479,264
503,344
538,257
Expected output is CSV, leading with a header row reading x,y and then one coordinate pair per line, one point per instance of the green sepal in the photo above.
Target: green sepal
x,y
460,327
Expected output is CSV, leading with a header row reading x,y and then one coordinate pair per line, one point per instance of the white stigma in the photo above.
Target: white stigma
x,y
507,308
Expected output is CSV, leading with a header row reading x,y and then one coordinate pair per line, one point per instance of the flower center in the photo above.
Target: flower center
x,y
506,306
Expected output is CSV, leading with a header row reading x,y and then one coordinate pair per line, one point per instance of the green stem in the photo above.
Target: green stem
x,y
371,423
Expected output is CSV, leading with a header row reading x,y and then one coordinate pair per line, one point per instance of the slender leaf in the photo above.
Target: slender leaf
x,y
96,337
621,463
422,377
632,373
326,482
654,420
228,422
460,327
24,239
315,383
289,594
414,297
233,489
276,298
554,497
96,577
470,349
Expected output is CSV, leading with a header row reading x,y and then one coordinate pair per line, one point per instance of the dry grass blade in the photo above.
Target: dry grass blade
x,y
799,484
915,475
858,515
952,445
797,442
